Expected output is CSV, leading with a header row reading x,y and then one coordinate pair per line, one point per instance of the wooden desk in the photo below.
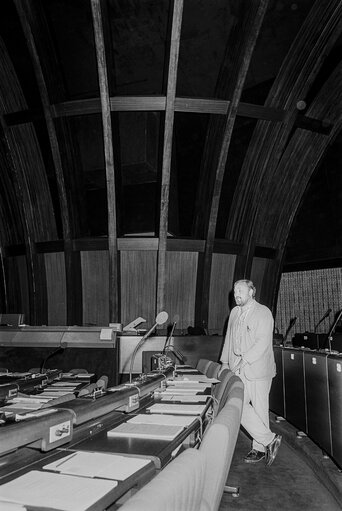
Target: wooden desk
x,y
91,435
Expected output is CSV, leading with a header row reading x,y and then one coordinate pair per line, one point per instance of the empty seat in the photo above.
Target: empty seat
x,y
213,369
218,447
221,390
203,364
179,487
78,371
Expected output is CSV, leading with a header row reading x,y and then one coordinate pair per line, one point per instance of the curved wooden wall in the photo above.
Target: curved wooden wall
x,y
55,277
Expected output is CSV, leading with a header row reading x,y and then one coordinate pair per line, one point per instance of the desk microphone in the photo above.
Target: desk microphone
x,y
169,337
60,349
160,319
332,329
320,321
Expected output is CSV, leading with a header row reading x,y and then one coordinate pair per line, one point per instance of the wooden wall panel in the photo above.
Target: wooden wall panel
x,y
221,285
24,289
56,288
95,287
259,266
180,287
138,285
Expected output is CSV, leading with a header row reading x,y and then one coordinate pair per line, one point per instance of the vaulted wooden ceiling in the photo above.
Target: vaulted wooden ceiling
x,y
193,119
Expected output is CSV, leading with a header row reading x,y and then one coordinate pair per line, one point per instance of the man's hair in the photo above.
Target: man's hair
x,y
248,283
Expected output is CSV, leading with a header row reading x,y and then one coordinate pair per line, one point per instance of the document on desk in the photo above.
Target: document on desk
x,y
184,398
11,506
55,491
178,409
151,431
166,420
98,464
197,377
188,385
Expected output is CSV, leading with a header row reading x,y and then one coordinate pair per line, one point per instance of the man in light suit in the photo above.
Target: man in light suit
x,y
248,352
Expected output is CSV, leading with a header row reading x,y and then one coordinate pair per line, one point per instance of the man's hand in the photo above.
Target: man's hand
x,y
223,367
237,368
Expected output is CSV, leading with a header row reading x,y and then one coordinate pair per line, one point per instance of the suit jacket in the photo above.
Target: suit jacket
x,y
255,342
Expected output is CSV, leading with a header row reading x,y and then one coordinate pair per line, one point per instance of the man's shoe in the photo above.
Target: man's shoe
x,y
254,456
272,449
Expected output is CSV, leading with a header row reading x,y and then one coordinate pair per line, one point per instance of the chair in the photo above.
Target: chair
x,y
202,365
221,390
218,447
212,370
78,371
179,487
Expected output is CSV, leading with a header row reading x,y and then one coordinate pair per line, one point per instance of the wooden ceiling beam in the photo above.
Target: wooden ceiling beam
x,y
177,16
232,78
157,104
109,160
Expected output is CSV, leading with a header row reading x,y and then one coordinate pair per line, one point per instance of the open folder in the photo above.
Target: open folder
x,y
140,430
55,491
98,464
192,409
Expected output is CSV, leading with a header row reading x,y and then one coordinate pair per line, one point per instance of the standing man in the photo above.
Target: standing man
x,y
248,352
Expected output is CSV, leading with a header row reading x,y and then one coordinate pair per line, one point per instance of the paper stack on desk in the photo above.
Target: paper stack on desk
x,y
55,491
150,431
98,464
167,420
174,409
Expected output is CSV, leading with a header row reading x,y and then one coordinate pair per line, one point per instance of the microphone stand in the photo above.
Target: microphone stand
x,y
291,325
320,321
332,329
60,349
160,319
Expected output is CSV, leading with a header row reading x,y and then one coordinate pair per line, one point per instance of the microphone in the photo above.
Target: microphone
x,y
161,318
332,329
169,337
320,321
60,349
291,325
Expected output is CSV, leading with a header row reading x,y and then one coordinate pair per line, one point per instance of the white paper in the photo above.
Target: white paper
x,y
177,409
97,464
184,398
56,491
168,420
152,431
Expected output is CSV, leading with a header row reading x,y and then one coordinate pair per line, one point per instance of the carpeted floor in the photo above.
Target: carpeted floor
x,y
289,484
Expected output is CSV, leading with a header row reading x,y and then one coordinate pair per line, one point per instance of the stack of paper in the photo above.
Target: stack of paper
x,y
181,398
98,464
167,420
177,409
151,431
55,491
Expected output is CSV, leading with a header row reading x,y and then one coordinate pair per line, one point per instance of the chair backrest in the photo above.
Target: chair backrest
x,y
213,369
179,487
203,364
221,390
218,447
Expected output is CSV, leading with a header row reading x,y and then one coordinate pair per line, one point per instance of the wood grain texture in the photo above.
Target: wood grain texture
x,y
259,266
95,289
21,263
56,288
138,285
167,148
113,276
213,167
221,285
180,287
